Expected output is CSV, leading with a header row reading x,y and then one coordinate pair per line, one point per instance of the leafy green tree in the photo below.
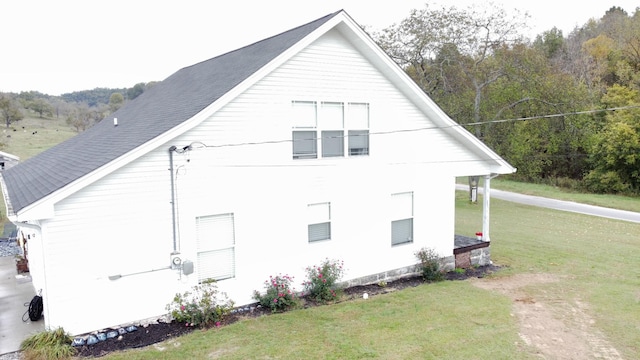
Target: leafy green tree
x,y
450,51
80,118
474,64
116,101
41,107
92,98
9,110
616,149
551,43
135,91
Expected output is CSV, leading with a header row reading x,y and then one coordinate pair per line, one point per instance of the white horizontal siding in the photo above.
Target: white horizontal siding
x,y
116,226
328,70
122,223
270,205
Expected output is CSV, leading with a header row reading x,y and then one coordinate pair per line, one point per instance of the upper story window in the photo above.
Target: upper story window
x,y
326,125
358,114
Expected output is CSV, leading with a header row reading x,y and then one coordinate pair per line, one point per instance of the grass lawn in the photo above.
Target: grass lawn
x,y
595,260
427,322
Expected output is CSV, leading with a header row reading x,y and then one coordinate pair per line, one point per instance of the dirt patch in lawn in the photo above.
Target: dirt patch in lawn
x,y
550,327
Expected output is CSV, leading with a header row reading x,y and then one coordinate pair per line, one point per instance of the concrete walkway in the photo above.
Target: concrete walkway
x,y
15,291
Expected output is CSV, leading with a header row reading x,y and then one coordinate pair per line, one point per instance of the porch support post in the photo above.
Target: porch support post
x,y
486,207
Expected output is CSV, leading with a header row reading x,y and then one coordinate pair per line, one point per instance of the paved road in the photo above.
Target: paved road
x,y
560,205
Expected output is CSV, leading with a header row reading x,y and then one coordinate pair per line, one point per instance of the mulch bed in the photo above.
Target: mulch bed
x,y
155,333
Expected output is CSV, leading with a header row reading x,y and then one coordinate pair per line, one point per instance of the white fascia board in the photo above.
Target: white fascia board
x,y
43,208
36,210
399,77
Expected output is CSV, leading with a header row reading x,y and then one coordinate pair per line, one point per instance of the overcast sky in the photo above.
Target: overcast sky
x,y
69,45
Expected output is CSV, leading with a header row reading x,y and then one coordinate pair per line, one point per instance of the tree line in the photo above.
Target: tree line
x,y
80,109
564,110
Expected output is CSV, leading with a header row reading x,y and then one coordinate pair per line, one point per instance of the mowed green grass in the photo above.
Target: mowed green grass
x,y
596,262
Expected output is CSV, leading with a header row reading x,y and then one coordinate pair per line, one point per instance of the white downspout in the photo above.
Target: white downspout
x,y
486,207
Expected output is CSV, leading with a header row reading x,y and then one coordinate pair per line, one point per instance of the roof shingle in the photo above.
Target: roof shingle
x,y
161,108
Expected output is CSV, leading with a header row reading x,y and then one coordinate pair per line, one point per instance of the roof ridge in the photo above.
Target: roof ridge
x,y
320,19
173,101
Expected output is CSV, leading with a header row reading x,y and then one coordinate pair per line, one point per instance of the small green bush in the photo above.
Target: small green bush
x,y
49,344
204,306
322,281
605,182
430,264
279,295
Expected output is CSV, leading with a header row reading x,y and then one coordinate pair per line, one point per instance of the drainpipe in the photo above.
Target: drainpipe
x,y
486,206
173,198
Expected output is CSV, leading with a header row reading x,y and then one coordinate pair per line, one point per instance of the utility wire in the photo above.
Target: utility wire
x,y
555,115
198,144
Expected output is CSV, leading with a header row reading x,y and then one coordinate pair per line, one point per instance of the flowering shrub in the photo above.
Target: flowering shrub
x,y
204,306
322,281
279,295
430,264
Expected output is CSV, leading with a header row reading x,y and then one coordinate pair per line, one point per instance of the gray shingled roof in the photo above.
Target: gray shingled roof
x,y
161,108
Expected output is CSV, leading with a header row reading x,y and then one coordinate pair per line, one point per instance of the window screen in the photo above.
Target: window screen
x,y
305,145
358,124
319,217
326,125
304,115
332,143
215,240
401,218
358,142
331,115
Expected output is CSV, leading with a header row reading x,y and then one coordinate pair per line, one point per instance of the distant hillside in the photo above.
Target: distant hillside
x,y
92,97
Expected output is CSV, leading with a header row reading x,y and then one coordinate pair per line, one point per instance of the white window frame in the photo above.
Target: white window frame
x,y
215,241
402,228
304,133
329,129
357,128
319,222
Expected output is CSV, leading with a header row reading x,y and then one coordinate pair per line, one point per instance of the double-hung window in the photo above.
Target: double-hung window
x,y
358,123
401,218
305,119
319,216
215,240
331,124
330,129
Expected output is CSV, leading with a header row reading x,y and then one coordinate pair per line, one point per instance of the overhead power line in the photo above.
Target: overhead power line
x,y
199,144
554,115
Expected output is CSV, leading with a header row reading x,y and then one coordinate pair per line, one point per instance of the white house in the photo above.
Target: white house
x,y
307,145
